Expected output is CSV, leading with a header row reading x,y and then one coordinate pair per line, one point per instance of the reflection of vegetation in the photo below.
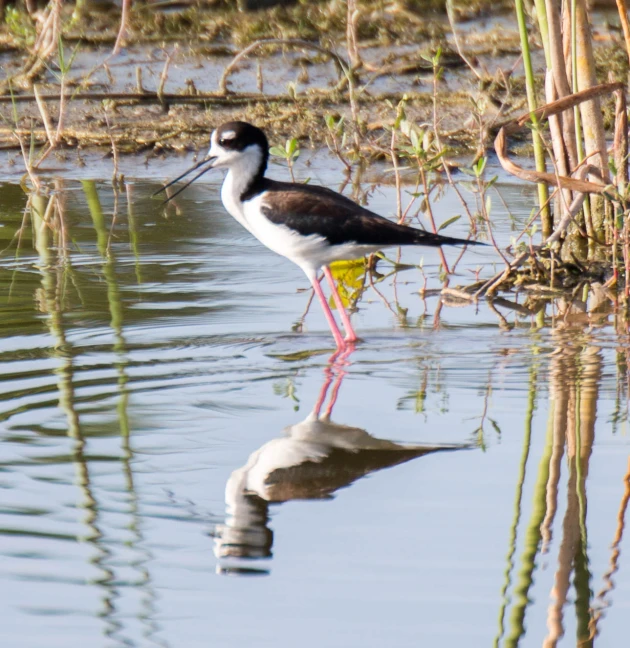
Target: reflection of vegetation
x,y
575,376
527,438
43,234
48,230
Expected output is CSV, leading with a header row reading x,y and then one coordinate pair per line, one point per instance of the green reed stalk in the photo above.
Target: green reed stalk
x,y
543,26
539,149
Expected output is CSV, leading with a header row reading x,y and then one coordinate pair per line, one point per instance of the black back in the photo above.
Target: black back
x,y
312,210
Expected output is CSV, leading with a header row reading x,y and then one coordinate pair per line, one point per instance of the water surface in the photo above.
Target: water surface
x,y
184,464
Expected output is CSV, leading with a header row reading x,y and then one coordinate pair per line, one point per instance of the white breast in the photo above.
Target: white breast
x,y
231,191
305,251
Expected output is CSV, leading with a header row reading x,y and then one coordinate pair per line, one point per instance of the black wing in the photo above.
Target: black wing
x,y
313,210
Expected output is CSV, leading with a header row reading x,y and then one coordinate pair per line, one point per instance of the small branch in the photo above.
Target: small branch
x,y
296,42
500,145
124,20
43,111
565,103
451,21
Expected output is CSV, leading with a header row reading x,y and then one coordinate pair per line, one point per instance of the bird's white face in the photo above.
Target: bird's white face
x,y
237,146
225,149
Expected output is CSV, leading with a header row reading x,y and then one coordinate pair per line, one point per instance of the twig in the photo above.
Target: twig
x,y
451,21
296,42
163,77
43,111
124,19
500,145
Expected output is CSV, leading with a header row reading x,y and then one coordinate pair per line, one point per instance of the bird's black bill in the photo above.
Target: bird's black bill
x,y
208,160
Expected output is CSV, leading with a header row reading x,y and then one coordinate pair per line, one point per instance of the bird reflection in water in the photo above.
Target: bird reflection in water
x,y
313,459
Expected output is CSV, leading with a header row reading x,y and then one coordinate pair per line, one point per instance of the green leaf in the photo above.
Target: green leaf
x,y
442,153
415,139
405,127
276,151
495,426
491,182
291,146
13,104
60,54
449,221
488,205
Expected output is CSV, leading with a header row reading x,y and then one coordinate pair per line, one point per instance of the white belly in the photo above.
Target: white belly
x,y
309,252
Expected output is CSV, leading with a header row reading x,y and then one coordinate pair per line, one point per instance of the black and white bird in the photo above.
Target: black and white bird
x,y
310,225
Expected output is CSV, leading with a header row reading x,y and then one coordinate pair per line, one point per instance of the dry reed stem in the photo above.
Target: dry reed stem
x,y
620,142
560,79
352,17
560,156
124,20
554,108
591,112
565,103
451,22
500,145
623,16
163,77
43,111
62,110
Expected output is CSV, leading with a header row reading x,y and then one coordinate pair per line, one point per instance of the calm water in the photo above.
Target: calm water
x,y
183,465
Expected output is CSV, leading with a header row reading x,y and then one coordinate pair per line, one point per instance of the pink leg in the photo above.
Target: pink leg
x,y
335,392
341,345
323,391
351,336
340,359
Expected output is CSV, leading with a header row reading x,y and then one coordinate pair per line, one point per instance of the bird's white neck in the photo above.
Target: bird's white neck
x,y
238,179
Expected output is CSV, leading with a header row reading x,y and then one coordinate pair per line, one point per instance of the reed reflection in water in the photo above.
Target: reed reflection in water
x,y
139,372
51,241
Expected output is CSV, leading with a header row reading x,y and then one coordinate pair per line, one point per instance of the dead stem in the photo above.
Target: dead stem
x,y
295,42
124,23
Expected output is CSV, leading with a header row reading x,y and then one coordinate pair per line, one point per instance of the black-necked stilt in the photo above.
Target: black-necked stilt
x,y
310,225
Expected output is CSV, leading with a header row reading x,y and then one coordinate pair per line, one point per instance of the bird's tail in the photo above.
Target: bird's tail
x,y
437,240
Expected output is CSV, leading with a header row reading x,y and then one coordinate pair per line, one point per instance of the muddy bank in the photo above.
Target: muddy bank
x,y
167,88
